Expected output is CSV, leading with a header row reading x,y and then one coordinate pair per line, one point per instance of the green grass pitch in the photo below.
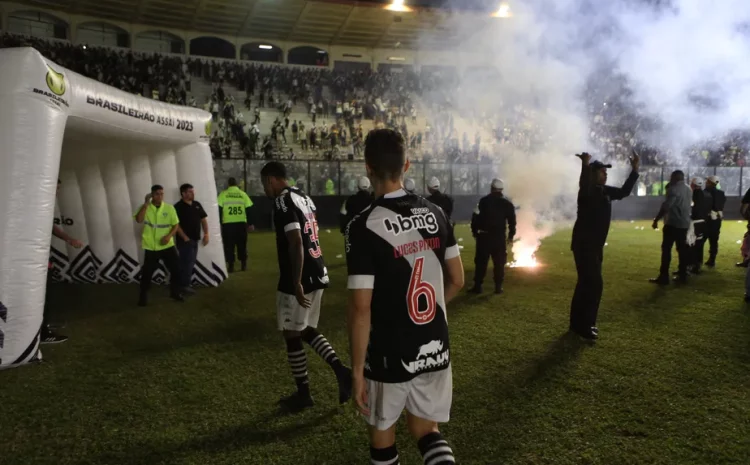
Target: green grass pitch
x,y
197,383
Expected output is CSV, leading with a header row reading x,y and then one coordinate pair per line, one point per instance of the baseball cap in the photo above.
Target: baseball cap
x,y
497,183
434,183
409,184
713,179
697,181
363,183
597,165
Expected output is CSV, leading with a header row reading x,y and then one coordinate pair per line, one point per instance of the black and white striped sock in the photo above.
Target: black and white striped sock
x,y
322,347
435,450
387,456
295,353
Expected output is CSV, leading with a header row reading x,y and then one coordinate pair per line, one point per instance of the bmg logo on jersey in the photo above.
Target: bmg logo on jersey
x,y
430,355
407,223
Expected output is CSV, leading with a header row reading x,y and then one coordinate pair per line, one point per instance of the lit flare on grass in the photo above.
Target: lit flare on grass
x,y
524,256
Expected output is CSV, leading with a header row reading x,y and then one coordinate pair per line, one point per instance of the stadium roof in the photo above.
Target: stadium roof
x,y
364,23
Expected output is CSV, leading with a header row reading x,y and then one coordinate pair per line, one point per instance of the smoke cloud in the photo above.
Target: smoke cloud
x,y
683,64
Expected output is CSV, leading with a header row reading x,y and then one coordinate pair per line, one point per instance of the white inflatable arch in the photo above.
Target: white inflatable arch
x,y
107,147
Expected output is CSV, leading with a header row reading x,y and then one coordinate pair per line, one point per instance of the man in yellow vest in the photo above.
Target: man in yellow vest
x,y
234,211
160,224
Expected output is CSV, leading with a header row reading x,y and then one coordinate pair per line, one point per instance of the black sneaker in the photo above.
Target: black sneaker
x,y
50,337
188,291
710,264
345,384
177,297
499,290
296,402
661,281
475,290
243,266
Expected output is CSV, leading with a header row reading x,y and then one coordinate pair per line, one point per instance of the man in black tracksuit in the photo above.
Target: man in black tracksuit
x,y
700,214
713,225
443,201
356,203
488,228
589,235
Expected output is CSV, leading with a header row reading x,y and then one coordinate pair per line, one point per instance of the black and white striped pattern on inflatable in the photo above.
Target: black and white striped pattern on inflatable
x,y
123,269
60,264
85,267
3,320
31,354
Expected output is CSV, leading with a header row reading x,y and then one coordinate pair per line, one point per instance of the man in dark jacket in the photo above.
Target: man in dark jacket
x,y
589,235
713,225
700,214
488,227
443,201
356,203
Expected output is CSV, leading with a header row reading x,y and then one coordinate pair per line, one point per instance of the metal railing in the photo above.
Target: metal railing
x,y
340,177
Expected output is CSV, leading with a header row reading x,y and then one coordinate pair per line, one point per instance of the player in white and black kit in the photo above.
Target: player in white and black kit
x,y
303,276
404,266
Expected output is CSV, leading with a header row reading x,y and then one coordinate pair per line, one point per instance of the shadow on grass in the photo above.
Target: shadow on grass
x,y
516,397
222,441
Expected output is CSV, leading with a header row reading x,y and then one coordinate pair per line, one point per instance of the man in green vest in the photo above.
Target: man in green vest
x,y
160,224
234,211
330,188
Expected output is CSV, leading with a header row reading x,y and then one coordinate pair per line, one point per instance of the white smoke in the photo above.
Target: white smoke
x,y
670,55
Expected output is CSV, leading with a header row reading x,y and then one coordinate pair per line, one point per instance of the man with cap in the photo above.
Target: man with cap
x,y
409,185
700,214
443,201
589,235
356,203
713,225
676,210
488,222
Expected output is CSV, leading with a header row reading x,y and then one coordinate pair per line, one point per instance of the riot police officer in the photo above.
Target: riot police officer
x,y
443,201
356,203
409,185
713,225
488,223
701,213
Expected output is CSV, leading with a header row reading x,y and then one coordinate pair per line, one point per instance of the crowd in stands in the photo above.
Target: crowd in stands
x,y
336,104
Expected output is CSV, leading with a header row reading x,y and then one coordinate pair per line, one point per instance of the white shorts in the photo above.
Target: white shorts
x,y
291,316
428,396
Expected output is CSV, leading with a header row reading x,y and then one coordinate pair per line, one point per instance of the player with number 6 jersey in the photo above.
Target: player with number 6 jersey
x,y
404,266
302,278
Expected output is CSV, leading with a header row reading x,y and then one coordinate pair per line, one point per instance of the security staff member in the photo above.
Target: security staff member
x,y
234,211
443,201
713,225
589,235
676,213
700,214
356,203
488,227
160,224
192,218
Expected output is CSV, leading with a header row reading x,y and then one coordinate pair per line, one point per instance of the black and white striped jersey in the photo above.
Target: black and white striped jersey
x,y
293,209
397,247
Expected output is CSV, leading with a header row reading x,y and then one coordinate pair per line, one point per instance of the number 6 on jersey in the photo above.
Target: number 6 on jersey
x,y
417,289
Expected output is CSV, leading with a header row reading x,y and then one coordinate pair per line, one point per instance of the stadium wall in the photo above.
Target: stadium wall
x,y
631,208
108,147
